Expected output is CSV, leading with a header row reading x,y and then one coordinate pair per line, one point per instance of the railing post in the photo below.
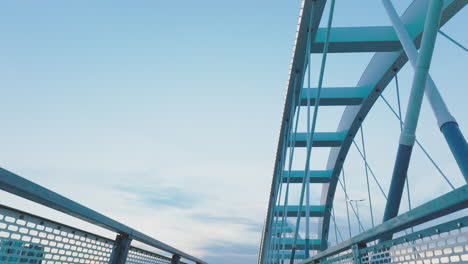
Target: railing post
x,y
120,251
175,259
356,255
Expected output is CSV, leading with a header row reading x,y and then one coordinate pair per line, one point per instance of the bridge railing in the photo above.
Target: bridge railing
x,y
34,239
444,243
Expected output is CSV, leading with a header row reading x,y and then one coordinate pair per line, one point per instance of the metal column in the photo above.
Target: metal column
x,y
120,251
407,136
446,122
175,259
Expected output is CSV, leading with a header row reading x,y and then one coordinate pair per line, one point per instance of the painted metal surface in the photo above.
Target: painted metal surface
x,y
458,146
121,249
321,139
336,95
17,185
377,75
27,238
298,66
408,134
451,202
359,39
293,210
452,133
316,176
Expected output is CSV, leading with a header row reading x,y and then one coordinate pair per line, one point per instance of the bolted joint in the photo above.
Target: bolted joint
x,y
175,259
356,254
121,248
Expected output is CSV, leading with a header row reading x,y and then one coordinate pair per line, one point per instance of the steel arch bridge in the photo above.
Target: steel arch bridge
x,y
302,230
287,235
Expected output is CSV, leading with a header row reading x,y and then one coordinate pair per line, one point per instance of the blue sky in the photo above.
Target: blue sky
x,y
165,114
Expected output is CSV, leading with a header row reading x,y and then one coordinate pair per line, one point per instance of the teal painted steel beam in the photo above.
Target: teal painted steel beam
x,y
359,39
284,230
379,72
336,95
121,248
293,210
316,176
446,122
457,143
446,204
314,244
24,188
312,11
408,136
321,139
285,254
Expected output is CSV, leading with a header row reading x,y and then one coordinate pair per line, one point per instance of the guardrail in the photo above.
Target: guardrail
x,y
118,251
433,245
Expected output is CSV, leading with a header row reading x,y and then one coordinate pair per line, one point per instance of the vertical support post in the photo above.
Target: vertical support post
x,y
446,122
120,251
458,145
356,255
175,259
407,137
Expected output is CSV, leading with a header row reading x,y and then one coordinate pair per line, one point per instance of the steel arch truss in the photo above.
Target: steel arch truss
x,y
388,59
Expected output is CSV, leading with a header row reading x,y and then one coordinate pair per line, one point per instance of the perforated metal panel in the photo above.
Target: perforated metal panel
x,y
342,258
139,256
448,247
29,239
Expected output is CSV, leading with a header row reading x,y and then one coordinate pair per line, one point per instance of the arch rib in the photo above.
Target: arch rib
x,y
378,74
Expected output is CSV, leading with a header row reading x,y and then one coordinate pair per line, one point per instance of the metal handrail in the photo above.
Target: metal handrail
x,y
448,203
96,236
24,188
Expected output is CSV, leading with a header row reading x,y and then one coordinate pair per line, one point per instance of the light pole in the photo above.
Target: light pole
x,y
357,211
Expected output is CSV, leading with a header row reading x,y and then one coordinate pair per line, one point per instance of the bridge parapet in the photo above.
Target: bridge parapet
x,y
27,238
442,243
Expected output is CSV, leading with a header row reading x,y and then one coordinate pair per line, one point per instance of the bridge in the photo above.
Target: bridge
x,y
327,206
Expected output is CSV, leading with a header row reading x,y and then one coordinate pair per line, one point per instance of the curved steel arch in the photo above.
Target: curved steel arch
x,y
377,75
309,8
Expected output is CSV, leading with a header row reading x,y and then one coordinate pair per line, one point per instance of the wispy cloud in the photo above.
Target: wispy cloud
x,y
162,196
251,225
230,253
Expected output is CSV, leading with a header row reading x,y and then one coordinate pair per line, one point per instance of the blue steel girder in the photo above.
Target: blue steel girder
x,y
315,176
24,188
379,72
312,11
360,39
451,202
